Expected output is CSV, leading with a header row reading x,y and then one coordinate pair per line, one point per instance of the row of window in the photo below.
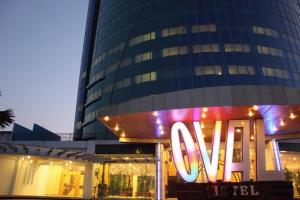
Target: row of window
x,y
142,38
96,77
265,31
206,70
183,50
270,51
151,36
237,48
174,51
143,78
140,78
179,30
91,116
198,48
143,57
94,96
111,51
205,48
274,33
243,70
217,70
275,72
123,83
204,28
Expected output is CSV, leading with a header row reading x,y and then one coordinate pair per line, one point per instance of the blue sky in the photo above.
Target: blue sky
x,y
40,53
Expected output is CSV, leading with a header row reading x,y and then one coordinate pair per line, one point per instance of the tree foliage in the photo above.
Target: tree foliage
x,y
6,118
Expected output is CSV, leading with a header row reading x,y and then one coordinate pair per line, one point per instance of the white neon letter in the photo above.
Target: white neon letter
x,y
228,155
211,167
192,175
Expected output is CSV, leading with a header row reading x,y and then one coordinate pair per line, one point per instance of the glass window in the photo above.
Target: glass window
x,y
141,78
146,77
237,48
172,51
265,31
206,48
275,72
204,28
153,76
208,70
143,57
147,37
128,180
241,70
173,31
270,51
142,38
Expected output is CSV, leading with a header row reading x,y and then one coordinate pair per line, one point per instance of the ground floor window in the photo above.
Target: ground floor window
x,y
291,165
40,176
125,180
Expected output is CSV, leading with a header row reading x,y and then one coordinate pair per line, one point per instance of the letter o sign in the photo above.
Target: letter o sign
x,y
192,174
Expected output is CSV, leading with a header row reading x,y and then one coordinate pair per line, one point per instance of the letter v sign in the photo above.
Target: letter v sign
x,y
210,166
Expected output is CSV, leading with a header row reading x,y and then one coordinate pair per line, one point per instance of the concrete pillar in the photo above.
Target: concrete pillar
x,y
88,182
159,161
13,177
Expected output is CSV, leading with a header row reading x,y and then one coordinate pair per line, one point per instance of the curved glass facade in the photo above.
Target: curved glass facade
x,y
144,48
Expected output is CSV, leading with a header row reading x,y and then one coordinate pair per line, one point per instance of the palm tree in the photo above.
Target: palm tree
x,y
6,118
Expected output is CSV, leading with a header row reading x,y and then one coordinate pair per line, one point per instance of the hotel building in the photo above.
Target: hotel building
x,y
175,94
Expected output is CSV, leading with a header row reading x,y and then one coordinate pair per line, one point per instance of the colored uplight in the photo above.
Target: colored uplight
x,y
192,175
117,127
106,118
255,107
274,129
123,134
282,123
250,113
211,167
292,116
228,156
202,125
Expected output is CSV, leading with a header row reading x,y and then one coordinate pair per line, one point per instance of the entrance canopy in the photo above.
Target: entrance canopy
x,y
278,119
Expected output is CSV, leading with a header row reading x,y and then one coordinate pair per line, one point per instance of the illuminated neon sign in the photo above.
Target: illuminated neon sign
x,y
190,172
